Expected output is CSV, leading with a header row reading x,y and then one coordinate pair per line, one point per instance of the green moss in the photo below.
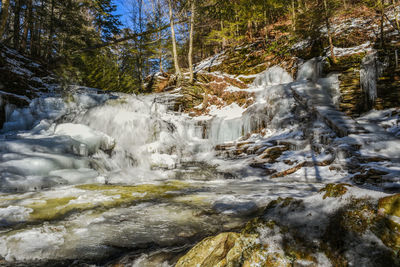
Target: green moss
x,y
117,102
390,205
334,190
132,193
193,200
351,220
296,252
389,232
51,208
387,229
56,208
359,216
345,63
243,61
247,80
253,226
285,202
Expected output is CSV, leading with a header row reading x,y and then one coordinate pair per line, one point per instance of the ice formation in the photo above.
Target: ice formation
x,y
273,76
371,70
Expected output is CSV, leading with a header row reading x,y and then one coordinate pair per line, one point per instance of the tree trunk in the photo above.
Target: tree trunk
x,y
382,14
174,50
328,27
250,29
293,16
190,54
39,33
223,35
17,10
5,4
27,25
51,34
157,11
396,14
34,38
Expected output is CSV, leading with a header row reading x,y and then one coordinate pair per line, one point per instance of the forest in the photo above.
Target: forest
x,y
86,43
207,133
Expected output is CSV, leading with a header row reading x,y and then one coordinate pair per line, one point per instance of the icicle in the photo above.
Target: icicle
x,y
371,70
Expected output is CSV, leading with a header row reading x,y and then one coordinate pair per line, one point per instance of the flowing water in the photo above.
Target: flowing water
x,y
91,176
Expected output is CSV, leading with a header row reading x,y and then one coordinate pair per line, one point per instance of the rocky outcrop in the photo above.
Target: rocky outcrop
x,y
293,232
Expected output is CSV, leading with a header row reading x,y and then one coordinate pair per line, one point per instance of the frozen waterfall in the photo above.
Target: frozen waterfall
x,y
117,138
371,70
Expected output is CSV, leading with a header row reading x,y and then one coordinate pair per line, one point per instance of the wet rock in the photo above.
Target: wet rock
x,y
238,208
273,153
226,249
369,175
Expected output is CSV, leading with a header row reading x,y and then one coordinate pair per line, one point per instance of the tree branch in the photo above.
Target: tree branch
x,y
127,38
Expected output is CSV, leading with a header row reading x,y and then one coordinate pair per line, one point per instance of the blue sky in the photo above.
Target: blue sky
x,y
122,10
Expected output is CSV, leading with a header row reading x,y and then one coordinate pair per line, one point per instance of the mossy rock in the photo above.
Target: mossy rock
x,y
345,63
388,226
390,205
116,196
253,225
225,249
231,250
290,202
334,190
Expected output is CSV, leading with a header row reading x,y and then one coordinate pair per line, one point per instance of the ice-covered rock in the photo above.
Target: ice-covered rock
x,y
94,140
273,76
13,214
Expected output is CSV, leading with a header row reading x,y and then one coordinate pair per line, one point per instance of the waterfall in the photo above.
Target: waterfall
x,y
311,70
123,138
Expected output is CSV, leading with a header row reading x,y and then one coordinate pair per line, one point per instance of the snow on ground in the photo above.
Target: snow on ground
x,y
210,62
227,112
341,52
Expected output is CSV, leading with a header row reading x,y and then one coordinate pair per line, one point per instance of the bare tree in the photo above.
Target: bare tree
x,y
158,20
190,54
174,50
51,32
17,10
328,27
293,15
27,25
381,7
